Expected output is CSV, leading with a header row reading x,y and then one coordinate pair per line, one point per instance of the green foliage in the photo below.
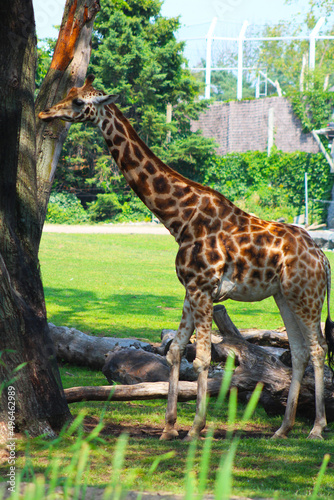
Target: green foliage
x,y
136,56
192,156
313,107
65,208
105,207
44,57
284,58
224,83
273,187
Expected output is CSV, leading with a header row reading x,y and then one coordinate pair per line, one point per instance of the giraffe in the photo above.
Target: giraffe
x,y
224,253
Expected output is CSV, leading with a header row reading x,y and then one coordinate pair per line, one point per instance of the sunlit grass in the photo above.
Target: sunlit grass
x,y
126,286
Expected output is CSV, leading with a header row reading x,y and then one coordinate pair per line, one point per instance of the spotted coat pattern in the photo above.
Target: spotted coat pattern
x,y
224,253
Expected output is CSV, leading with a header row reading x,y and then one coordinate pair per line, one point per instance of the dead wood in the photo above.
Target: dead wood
x,y
143,391
254,364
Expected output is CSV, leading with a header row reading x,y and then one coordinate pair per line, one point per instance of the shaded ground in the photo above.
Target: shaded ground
x,y
115,430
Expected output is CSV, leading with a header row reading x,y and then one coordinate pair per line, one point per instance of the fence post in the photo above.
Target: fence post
x,y
306,200
209,37
240,58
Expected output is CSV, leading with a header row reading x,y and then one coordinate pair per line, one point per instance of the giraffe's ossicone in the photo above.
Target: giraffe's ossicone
x,y
224,253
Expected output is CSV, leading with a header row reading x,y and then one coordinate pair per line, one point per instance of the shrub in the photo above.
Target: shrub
x,y
273,187
104,208
65,208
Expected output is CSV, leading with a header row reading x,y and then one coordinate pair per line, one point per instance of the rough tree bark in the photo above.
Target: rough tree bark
x,y
24,337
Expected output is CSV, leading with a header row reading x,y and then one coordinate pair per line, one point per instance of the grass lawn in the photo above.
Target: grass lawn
x,y
126,286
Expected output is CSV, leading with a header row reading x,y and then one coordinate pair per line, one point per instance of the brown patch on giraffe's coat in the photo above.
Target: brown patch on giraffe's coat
x,y
196,259
104,124
187,213
115,154
119,127
240,269
213,257
175,226
118,139
138,152
181,191
164,203
208,207
215,226
263,239
269,275
257,257
151,169
243,239
160,185
143,185
127,160
190,201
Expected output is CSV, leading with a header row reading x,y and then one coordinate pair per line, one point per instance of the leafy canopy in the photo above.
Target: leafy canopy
x,y
136,56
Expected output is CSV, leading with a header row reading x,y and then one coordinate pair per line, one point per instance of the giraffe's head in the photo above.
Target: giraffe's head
x,y
81,104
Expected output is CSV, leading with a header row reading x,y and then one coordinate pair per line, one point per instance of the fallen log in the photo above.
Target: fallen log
x,y
268,338
78,348
253,365
143,391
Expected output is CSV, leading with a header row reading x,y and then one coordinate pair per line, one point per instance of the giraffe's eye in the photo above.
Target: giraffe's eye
x,y
78,102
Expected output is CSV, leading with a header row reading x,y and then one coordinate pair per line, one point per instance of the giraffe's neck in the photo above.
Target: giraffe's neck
x,y
170,196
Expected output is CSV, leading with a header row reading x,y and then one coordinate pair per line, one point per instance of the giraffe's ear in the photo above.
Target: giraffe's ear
x,y
89,80
105,99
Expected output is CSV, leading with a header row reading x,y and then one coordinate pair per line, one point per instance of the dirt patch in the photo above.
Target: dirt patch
x,y
139,430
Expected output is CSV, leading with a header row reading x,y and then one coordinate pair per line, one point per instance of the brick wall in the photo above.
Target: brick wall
x,y
243,126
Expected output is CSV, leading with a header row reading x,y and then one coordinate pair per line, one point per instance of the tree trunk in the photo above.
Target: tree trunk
x,y
68,69
40,404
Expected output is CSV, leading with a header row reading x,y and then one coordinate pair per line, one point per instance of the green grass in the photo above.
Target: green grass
x,y
125,286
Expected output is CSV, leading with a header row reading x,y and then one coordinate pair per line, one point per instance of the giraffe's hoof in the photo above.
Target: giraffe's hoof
x,y
188,438
169,435
279,435
315,435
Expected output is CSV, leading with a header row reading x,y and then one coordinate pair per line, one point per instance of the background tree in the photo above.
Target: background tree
x,y
287,60
25,185
135,55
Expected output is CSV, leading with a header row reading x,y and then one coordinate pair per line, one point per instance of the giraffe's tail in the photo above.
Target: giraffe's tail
x,y
329,326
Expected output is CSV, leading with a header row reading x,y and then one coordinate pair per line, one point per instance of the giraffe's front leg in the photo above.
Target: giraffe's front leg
x,y
173,357
202,313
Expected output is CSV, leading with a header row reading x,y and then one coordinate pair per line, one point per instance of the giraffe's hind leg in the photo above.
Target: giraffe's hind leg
x,y
174,354
318,350
306,341
299,356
